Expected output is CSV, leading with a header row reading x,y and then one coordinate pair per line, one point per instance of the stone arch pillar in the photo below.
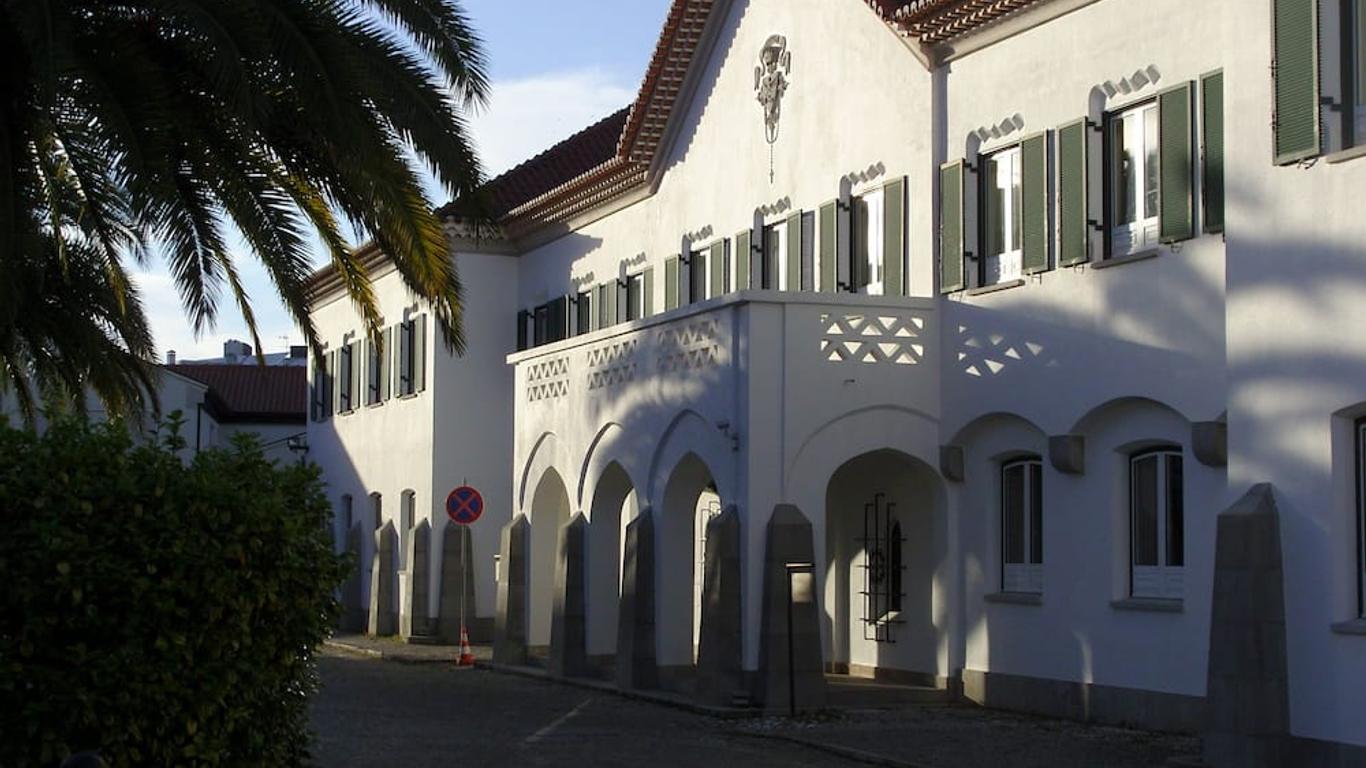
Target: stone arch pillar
x,y
789,541
569,620
510,623
353,617
456,568
412,618
720,676
636,667
382,616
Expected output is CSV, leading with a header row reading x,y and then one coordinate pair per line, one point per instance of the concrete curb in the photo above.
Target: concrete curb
x,y
397,656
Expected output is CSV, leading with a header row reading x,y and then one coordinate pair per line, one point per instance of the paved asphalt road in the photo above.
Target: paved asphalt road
x,y
378,713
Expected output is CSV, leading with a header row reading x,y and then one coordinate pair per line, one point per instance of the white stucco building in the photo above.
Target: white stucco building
x,y
1011,299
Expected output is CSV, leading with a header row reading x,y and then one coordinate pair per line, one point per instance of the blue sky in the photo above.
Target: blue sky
x,y
556,67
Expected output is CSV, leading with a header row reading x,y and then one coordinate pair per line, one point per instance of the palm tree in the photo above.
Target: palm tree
x,y
169,121
68,317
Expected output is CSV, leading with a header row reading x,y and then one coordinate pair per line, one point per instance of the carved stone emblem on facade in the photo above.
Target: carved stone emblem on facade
x,y
770,81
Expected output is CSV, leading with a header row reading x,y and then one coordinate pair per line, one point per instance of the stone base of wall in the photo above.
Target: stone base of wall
x,y
1314,753
1087,702
897,676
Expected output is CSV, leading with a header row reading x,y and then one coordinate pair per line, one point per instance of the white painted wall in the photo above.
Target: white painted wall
x,y
1255,325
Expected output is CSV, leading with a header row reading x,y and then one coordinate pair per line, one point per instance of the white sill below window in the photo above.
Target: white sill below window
x,y
1353,627
1134,237
1157,582
1015,598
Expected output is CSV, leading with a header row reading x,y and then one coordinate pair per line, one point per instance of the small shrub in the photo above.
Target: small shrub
x,y
165,615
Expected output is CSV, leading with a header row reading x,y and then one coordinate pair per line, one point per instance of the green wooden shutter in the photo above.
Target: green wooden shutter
x,y
717,260
333,383
420,353
743,256
829,248
614,305
1034,202
1176,201
793,244
385,369
1296,68
894,237
951,272
357,375
671,283
1073,232
647,292
1212,170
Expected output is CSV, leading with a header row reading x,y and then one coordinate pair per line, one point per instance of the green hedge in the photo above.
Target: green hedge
x,y
163,614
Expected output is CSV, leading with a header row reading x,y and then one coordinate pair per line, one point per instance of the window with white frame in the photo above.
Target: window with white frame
x,y
1022,526
1361,516
1353,17
1002,243
583,312
1133,175
1157,524
866,264
771,267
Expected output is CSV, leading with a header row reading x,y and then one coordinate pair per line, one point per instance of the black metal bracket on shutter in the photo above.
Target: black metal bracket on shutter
x,y
1093,125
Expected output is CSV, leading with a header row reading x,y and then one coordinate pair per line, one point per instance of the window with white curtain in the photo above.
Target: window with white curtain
x,y
1002,247
1134,178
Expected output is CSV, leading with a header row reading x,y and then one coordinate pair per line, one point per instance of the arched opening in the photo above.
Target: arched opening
x,y
549,513
884,543
614,506
690,501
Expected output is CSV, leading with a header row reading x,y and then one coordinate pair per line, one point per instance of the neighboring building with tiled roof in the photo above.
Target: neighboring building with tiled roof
x,y
248,393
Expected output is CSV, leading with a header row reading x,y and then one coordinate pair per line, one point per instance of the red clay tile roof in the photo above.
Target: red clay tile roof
x,y
253,393
558,165
613,155
935,21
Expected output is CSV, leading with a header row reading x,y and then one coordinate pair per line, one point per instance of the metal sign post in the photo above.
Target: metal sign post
x,y
801,588
464,506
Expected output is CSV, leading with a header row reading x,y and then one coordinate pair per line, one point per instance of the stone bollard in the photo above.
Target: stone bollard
x,y
569,619
456,567
382,618
789,542
510,623
353,618
719,655
636,666
1247,699
412,618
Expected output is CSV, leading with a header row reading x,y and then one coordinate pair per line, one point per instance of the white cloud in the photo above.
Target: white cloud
x,y
171,327
529,115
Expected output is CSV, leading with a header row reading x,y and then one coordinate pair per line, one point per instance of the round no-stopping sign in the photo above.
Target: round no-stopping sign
x,y
464,505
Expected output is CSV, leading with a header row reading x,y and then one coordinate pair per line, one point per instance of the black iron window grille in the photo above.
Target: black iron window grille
x,y
883,564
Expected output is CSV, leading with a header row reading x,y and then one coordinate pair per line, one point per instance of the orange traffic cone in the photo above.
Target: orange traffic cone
x,y
466,654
